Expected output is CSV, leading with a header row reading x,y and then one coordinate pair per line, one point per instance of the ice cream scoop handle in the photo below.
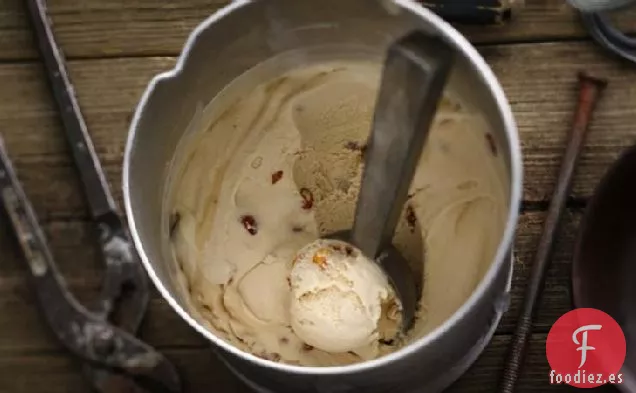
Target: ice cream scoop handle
x,y
415,73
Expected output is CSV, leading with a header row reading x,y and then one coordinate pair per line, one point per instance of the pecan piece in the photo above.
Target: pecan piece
x,y
276,176
349,251
386,341
249,223
352,145
308,198
355,146
319,259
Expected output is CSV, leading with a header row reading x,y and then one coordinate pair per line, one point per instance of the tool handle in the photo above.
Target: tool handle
x,y
99,196
124,272
58,305
474,12
415,74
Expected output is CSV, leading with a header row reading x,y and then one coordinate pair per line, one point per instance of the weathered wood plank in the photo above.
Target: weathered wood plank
x,y
541,92
32,131
72,242
201,371
56,372
101,28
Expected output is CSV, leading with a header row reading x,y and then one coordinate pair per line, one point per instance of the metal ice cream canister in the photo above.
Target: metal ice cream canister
x,y
235,39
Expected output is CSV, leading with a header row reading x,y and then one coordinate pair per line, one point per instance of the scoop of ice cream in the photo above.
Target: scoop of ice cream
x,y
339,297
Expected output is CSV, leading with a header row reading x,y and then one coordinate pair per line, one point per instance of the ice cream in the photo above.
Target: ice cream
x,y
274,162
339,298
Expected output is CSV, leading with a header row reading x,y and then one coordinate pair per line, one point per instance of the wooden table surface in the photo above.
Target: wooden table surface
x,y
115,46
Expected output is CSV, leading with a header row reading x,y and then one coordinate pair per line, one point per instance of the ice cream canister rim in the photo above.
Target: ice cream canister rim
x,y
501,255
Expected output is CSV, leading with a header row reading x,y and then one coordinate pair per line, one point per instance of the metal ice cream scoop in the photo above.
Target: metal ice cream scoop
x,y
415,73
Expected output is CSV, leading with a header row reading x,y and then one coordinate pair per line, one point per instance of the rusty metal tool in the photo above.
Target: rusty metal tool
x,y
104,338
590,88
124,273
115,358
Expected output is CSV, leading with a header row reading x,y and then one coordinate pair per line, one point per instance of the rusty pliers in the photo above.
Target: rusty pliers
x,y
115,360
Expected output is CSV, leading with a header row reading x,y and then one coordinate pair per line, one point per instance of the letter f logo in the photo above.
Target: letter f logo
x,y
583,344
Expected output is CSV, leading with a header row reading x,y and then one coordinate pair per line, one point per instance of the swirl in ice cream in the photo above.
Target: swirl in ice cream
x,y
279,165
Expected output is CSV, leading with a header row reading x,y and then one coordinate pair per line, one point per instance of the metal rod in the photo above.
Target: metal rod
x,y
590,89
